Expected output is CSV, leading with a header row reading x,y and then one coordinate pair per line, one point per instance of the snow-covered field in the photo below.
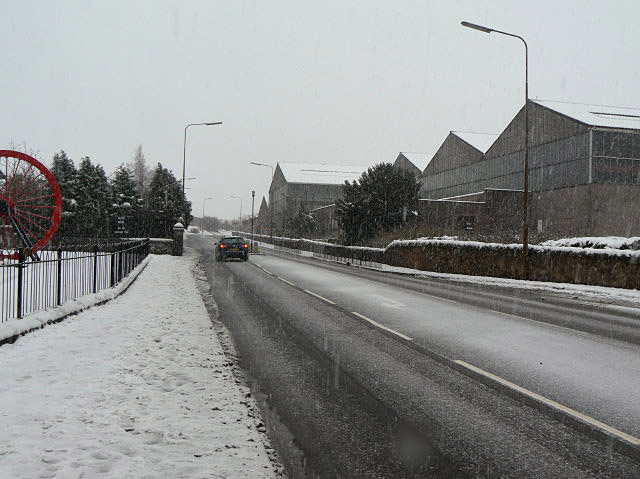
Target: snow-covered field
x,y
138,387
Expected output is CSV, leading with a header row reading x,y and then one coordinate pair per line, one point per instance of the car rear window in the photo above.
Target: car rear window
x,y
232,240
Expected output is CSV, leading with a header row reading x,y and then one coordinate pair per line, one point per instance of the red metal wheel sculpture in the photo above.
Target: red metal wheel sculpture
x,y
30,204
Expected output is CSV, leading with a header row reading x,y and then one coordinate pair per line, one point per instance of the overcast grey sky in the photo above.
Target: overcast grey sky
x,y
307,81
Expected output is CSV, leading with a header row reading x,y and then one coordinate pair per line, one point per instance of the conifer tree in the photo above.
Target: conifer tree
x,y
93,200
375,202
166,204
126,202
67,177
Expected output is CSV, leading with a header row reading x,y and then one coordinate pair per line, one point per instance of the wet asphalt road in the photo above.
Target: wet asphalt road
x,y
362,404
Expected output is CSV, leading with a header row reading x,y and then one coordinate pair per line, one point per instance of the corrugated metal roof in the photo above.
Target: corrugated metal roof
x,y
321,174
596,115
480,141
420,160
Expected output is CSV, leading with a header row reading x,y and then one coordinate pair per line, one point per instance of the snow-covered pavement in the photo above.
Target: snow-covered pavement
x,y
138,387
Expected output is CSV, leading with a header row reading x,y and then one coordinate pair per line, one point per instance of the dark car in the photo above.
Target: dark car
x,y
232,247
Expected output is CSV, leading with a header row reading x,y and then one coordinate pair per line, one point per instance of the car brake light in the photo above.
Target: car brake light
x,y
245,245
221,246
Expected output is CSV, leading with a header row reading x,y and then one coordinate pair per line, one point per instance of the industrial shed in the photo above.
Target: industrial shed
x,y
414,163
584,168
263,220
312,186
460,154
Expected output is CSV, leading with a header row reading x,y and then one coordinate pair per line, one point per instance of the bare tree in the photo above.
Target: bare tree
x,y
141,173
22,147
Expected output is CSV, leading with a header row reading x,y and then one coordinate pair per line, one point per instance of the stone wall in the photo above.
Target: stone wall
x,y
494,215
161,245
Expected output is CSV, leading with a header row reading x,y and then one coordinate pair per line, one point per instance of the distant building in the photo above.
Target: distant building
x,y
312,186
460,151
584,169
326,220
414,163
263,219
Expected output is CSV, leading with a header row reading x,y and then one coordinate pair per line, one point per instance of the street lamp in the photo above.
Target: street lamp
x,y
270,202
238,198
525,199
184,148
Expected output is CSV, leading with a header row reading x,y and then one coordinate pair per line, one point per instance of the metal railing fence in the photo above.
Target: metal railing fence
x,y
63,274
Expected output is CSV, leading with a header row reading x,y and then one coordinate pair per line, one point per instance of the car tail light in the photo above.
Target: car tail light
x,y
221,246
246,245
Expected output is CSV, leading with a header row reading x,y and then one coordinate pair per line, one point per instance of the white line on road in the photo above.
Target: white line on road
x,y
319,297
265,270
285,281
549,402
378,325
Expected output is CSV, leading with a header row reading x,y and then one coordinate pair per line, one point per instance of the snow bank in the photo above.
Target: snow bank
x,y
542,248
596,242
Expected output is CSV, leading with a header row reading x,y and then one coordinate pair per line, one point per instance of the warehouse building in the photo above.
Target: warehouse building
x,y
584,169
414,163
263,220
306,185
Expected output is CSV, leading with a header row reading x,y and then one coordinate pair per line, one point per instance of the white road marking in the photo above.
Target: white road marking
x,y
319,297
266,271
549,402
378,325
285,281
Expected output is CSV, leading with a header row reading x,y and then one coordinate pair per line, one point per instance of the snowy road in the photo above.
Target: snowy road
x,y
352,380
139,387
592,374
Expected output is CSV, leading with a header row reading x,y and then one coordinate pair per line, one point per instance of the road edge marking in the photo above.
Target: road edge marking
x,y
553,404
318,296
381,326
285,281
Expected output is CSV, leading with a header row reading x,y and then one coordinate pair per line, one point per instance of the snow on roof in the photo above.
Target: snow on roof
x,y
596,115
420,160
480,141
321,174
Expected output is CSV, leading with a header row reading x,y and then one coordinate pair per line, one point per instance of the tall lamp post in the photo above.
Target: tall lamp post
x,y
525,199
270,202
238,198
184,147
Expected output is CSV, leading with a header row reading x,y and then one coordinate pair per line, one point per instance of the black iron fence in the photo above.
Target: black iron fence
x,y
63,274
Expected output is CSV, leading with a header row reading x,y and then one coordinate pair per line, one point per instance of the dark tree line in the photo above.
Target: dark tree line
x,y
133,201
